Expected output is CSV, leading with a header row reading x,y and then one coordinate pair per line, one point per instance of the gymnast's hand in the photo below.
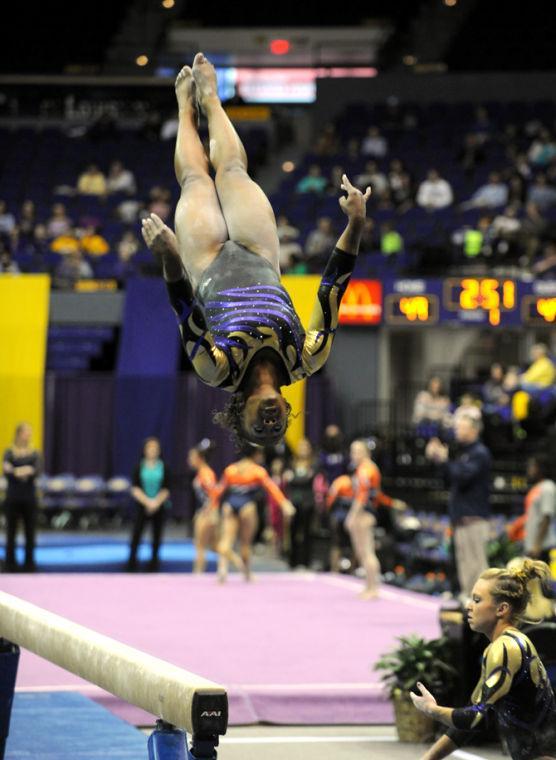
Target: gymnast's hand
x,y
354,206
399,504
288,509
425,702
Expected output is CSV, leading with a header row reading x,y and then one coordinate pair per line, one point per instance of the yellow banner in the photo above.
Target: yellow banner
x,y
24,301
303,291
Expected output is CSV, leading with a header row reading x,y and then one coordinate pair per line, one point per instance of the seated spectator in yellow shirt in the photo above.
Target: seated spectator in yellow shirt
x,y
92,182
93,243
65,243
541,374
542,371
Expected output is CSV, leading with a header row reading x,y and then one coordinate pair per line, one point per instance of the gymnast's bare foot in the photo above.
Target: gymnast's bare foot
x,y
369,593
163,243
204,74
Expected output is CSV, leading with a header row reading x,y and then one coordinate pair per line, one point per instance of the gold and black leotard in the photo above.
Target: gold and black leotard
x,y
514,685
240,307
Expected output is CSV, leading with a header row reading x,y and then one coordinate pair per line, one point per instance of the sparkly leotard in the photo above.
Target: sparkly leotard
x,y
240,307
515,686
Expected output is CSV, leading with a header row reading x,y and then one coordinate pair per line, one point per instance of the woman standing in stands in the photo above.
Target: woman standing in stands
x,y
204,522
361,517
237,492
513,684
21,467
150,492
238,324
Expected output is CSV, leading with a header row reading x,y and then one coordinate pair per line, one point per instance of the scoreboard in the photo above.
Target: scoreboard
x,y
487,301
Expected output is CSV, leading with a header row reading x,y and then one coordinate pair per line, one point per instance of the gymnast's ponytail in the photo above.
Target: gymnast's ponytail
x,y
524,586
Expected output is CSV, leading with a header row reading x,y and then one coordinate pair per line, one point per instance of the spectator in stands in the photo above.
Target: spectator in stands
x,y
7,220
521,166
120,179
435,192
507,223
66,243
467,470
72,268
472,153
92,182
160,202
59,222
541,372
493,392
540,375
541,193
396,170
494,193
540,509
516,190
504,232
291,254
127,246
545,266
298,478
374,144
372,177
543,149
150,491
22,465
475,241
285,229
431,407
7,264
533,227
128,211
402,195
93,243
469,406
391,242
319,243
26,222
313,182
369,240
37,247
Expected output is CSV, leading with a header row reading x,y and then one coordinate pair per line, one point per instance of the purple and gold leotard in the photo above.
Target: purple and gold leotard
x,y
240,307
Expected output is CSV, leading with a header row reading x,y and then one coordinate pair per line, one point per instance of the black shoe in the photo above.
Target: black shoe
x,y
29,567
11,567
153,566
131,566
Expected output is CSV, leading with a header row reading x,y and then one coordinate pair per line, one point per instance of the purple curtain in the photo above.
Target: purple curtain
x,y
79,423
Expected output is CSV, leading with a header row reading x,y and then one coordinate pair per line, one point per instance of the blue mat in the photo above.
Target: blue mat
x,y
55,555
68,726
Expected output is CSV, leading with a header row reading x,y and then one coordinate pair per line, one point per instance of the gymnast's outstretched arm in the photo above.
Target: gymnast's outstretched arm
x,y
503,660
324,319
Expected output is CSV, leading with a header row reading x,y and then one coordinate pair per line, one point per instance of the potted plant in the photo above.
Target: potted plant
x,y
416,659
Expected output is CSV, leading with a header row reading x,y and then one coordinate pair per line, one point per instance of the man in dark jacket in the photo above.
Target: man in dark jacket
x,y
467,470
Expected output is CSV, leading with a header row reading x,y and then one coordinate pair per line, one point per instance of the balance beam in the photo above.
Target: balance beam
x,y
174,695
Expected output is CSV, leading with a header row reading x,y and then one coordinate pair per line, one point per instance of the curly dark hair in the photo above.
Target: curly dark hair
x,y
230,419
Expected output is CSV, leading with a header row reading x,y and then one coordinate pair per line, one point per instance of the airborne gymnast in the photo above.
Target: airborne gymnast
x,y
238,324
